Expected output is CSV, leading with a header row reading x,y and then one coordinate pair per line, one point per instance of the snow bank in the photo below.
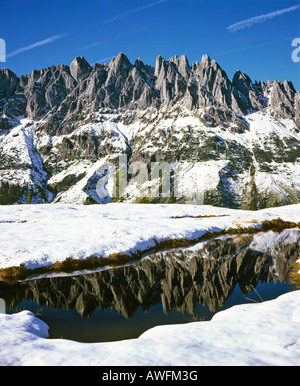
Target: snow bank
x,y
40,235
244,335
253,334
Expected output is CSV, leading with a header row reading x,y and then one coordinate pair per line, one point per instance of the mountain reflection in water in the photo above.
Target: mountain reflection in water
x,y
205,275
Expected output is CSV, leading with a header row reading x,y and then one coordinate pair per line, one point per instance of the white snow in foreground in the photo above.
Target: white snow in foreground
x,y
245,335
40,235
253,334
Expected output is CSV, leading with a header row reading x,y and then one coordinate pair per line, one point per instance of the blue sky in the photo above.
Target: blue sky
x,y
254,36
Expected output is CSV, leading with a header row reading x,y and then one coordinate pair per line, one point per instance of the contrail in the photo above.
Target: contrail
x,y
134,11
254,46
260,19
118,36
34,45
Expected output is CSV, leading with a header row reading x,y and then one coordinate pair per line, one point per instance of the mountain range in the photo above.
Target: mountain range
x,y
232,143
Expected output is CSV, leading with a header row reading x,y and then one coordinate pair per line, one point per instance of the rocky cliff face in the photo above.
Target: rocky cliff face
x,y
59,123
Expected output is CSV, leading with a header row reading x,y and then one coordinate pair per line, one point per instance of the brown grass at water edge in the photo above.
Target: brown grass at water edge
x,y
278,225
13,274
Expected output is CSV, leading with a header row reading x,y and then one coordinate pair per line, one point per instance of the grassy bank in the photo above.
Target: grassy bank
x,y
13,274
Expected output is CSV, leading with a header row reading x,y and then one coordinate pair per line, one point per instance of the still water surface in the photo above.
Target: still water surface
x,y
170,287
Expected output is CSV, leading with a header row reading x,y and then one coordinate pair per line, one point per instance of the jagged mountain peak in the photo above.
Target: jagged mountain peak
x,y
242,82
289,85
138,62
7,72
8,82
235,132
160,65
169,82
79,67
179,59
205,59
120,62
78,60
184,67
241,75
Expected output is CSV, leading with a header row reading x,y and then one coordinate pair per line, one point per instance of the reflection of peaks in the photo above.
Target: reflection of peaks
x,y
206,274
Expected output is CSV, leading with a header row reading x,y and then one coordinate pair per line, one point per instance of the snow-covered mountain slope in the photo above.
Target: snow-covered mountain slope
x,y
234,144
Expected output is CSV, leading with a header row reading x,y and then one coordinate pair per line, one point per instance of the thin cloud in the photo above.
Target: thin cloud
x,y
139,9
254,46
89,46
116,37
260,19
35,45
